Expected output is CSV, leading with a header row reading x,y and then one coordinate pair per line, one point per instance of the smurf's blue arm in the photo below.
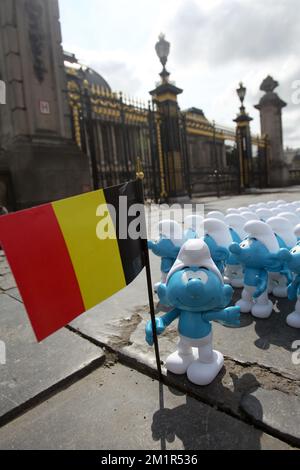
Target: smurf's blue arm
x,y
261,283
169,317
230,315
153,247
161,324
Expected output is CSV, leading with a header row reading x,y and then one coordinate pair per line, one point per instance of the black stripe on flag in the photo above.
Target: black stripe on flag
x,y
131,251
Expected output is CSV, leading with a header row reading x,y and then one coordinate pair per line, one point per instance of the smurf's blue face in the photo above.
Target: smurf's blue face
x,y
294,260
196,290
251,253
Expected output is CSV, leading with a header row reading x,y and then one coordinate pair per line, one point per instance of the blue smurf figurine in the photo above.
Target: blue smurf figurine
x,y
196,291
292,259
218,239
284,232
167,246
259,254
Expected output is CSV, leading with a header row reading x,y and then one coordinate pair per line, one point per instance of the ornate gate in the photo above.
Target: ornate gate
x,y
114,131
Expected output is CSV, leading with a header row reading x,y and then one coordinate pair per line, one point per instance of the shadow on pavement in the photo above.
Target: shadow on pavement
x,y
274,330
199,426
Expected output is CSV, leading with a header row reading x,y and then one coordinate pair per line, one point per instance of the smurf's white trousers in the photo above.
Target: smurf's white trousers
x,y
197,358
261,307
203,345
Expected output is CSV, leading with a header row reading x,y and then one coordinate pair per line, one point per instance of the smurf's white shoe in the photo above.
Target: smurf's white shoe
x,y
201,373
293,320
245,305
178,363
262,310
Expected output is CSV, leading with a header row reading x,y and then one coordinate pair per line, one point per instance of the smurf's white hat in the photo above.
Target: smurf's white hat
x,y
263,233
284,229
172,230
293,218
194,222
194,253
216,215
264,214
290,208
236,222
243,209
276,211
297,231
219,231
296,204
283,207
231,210
249,215
260,205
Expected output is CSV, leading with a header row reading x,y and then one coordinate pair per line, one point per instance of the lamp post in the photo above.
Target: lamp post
x,y
241,92
162,48
243,138
172,168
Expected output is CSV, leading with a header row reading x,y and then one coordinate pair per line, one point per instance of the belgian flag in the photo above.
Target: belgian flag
x,y
62,268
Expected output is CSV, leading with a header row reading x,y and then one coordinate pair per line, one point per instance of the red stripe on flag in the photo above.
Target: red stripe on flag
x,y
40,261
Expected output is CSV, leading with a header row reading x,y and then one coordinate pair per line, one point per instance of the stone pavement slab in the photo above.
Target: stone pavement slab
x,y
275,410
32,368
118,408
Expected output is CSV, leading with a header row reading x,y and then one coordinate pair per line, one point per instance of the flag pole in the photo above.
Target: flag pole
x,y
140,177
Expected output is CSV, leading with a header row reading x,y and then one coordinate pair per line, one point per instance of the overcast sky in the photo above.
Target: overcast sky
x,y
214,45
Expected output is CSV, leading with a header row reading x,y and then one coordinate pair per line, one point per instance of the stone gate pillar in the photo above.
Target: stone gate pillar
x,y
165,97
270,108
35,133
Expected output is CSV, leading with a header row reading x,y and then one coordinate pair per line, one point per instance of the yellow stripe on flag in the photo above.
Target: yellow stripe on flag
x,y
97,263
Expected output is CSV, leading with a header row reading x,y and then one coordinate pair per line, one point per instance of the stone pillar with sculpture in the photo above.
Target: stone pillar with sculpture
x,y
37,151
172,166
270,108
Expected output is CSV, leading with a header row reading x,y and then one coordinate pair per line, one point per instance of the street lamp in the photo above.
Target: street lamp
x,y
241,92
162,48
